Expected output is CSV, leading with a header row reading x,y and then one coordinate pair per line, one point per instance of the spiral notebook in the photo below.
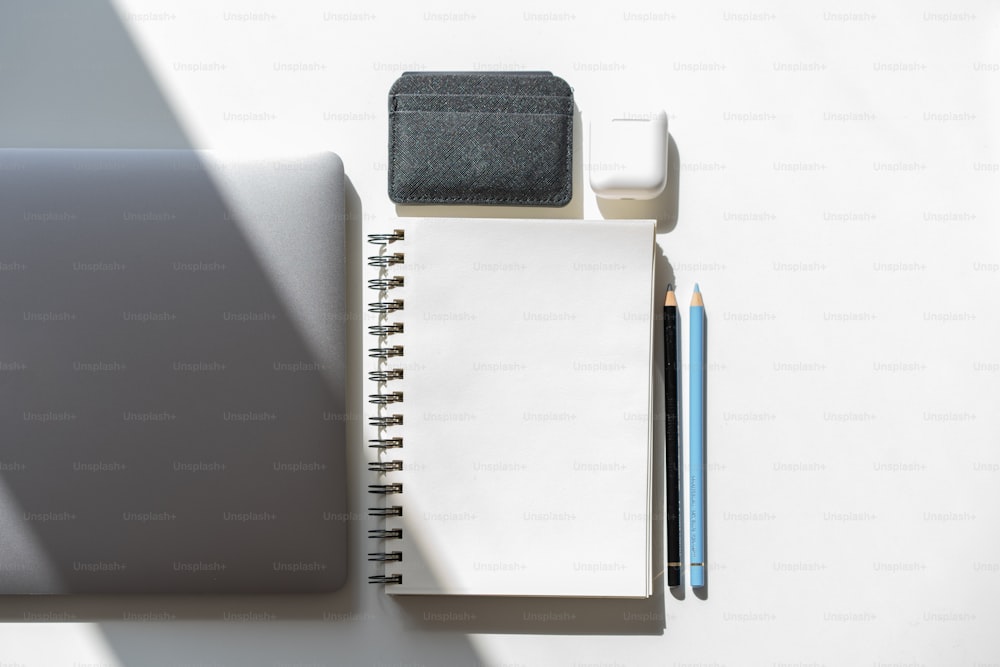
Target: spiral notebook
x,y
511,390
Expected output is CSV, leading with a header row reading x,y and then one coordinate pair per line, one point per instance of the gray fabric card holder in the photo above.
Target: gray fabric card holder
x,y
500,138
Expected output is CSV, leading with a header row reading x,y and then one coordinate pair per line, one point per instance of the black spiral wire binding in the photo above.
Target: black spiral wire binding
x,y
383,399
385,466
385,376
386,443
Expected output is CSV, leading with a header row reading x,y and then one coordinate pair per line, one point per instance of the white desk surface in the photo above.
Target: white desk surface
x,y
834,195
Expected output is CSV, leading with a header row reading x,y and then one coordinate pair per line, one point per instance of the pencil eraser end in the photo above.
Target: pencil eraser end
x,y
697,576
628,156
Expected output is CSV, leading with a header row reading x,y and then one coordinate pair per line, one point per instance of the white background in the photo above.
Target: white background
x,y
834,180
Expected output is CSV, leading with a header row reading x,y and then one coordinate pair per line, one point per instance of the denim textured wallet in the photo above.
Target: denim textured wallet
x,y
500,138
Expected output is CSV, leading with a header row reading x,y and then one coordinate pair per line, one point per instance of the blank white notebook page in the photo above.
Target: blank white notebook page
x,y
527,407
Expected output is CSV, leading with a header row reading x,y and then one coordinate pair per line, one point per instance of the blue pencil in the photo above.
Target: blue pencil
x,y
696,433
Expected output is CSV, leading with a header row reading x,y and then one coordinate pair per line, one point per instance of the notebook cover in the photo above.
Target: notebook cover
x,y
526,408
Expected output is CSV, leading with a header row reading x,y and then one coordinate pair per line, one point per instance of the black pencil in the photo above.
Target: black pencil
x,y
670,370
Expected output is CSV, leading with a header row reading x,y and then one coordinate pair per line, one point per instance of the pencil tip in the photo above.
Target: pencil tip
x,y
696,288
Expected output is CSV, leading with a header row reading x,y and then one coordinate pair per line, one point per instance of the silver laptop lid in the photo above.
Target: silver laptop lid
x,y
172,342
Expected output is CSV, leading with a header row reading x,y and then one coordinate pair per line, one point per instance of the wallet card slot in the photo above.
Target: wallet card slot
x,y
483,103
480,158
499,83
